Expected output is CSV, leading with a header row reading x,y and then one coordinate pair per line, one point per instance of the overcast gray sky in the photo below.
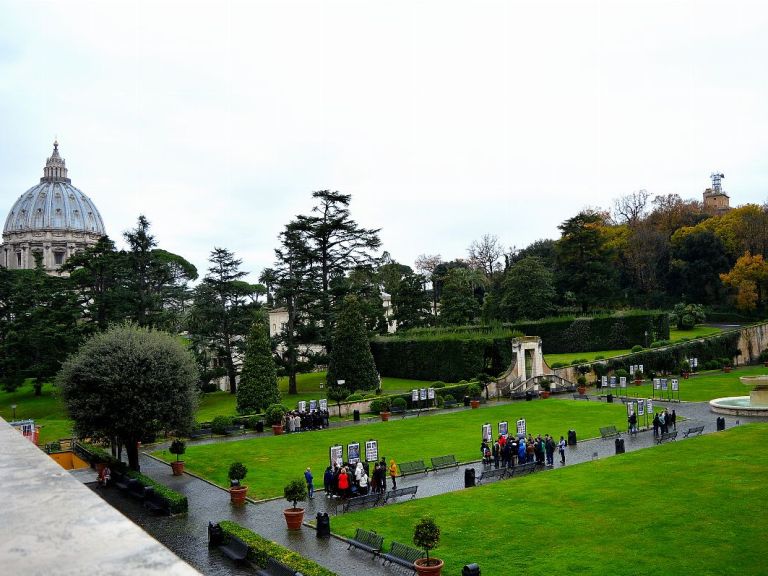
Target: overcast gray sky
x,y
444,120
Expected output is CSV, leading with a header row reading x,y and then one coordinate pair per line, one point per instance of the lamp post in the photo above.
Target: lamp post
x,y
646,338
13,407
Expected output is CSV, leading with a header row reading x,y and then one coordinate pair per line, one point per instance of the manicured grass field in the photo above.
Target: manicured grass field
x,y
47,410
675,335
274,460
692,507
309,385
706,385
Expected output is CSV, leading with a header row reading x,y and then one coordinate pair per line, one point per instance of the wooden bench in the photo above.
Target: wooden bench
x,y
234,548
666,436
518,396
608,431
398,410
402,555
394,494
200,433
414,467
361,501
522,469
234,430
440,462
366,540
580,397
156,503
275,568
698,430
490,473
449,404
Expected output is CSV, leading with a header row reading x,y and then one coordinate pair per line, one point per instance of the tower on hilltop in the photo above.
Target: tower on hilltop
x,y
715,200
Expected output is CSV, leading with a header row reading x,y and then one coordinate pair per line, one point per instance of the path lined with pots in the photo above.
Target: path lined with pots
x,y
187,536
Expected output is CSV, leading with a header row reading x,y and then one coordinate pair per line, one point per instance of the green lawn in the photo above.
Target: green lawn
x,y
675,335
693,507
46,410
311,386
706,385
274,460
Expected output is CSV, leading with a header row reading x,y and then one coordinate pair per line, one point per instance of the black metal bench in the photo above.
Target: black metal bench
x,y
449,404
156,503
275,568
414,467
490,473
666,436
236,429
698,430
200,433
361,501
440,462
120,480
580,397
518,396
522,469
608,431
395,494
366,540
402,555
398,410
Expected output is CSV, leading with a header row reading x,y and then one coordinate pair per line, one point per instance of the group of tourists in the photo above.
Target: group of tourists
x,y
301,421
506,451
357,479
663,422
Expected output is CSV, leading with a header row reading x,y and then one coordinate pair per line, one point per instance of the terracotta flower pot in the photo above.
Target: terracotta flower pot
x,y
545,393
237,494
177,467
581,390
475,404
434,567
277,429
294,517
638,382
384,416
727,369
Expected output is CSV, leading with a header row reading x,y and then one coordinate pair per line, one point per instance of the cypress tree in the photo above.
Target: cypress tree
x,y
258,379
351,359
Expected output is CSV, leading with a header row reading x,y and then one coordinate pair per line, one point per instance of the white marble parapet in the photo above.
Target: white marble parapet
x,y
51,524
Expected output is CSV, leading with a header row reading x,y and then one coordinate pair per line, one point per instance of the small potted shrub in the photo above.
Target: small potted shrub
x,y
274,415
638,378
581,382
727,365
384,406
237,493
177,447
426,536
400,403
473,391
764,357
546,386
294,492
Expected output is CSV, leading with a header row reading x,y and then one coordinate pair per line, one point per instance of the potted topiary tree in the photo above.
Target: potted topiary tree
x,y
385,405
274,415
295,491
546,386
473,391
426,536
237,493
581,387
178,447
727,365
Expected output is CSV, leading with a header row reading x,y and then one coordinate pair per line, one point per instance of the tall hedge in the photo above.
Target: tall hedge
x,y
448,360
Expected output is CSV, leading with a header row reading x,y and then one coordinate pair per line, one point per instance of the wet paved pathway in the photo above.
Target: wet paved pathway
x,y
186,534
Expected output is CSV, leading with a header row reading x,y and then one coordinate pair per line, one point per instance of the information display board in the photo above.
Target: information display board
x,y
312,405
337,455
640,407
623,382
324,404
372,451
657,384
415,395
302,405
503,428
487,432
664,384
521,427
605,380
649,406
431,393
675,385
353,452
423,394
630,409
613,381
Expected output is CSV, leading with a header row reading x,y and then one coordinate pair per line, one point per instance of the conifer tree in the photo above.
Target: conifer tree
x,y
351,359
258,378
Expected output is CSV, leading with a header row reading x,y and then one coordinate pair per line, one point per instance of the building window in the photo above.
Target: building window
x,y
18,259
58,258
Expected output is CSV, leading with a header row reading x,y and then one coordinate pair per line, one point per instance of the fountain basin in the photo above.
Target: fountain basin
x,y
756,404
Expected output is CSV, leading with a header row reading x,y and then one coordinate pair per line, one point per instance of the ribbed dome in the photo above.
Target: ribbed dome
x,y
54,204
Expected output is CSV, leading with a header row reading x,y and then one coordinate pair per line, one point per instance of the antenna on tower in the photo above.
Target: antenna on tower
x,y
716,178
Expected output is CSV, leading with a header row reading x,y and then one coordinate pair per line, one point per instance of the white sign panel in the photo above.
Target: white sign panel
x,y
623,382
353,453
337,456
302,405
664,385
487,432
371,451
640,407
613,381
656,384
431,393
605,380
312,405
521,427
423,394
675,385
649,406
324,404
503,428
415,395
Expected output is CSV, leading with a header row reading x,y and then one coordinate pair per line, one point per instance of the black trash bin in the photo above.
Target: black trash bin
x,y
469,477
619,445
356,415
528,396
260,426
323,525
466,400
720,423
571,437
609,398
471,570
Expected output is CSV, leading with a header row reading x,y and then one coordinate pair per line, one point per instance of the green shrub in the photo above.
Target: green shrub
x,y
636,348
473,390
253,421
581,381
382,404
448,398
274,414
177,502
260,550
580,361
356,397
660,343
220,424
426,534
295,491
438,384
440,401
601,357
763,356
399,403
237,471
177,447
558,365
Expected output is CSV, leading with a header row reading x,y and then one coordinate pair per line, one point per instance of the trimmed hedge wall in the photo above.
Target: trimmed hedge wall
x,y
260,550
563,335
449,360
669,359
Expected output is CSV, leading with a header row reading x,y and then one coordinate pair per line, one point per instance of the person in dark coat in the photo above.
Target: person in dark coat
x,y
328,481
